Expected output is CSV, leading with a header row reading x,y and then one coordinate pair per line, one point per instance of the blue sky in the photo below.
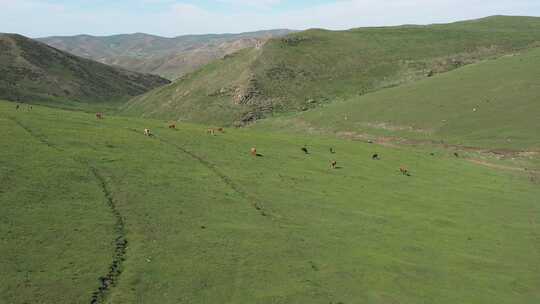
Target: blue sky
x,y
37,18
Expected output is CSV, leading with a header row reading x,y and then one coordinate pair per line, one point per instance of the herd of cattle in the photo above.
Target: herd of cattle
x,y
253,151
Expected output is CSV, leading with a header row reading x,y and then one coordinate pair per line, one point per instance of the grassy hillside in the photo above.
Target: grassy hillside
x,y
209,101
31,71
205,222
493,104
314,67
168,57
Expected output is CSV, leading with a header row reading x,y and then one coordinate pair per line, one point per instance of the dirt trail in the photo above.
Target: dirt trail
x,y
494,166
115,269
109,280
36,136
396,142
224,178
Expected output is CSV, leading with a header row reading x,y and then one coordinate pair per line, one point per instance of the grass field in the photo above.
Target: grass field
x,y
494,104
205,222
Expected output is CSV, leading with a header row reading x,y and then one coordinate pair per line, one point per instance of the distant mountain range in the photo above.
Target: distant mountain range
x,y
167,57
31,71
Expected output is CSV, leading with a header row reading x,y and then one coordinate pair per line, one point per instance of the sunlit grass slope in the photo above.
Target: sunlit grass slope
x,y
493,104
206,222
305,69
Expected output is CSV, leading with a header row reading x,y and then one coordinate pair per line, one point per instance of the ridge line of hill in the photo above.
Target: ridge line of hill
x,y
33,72
169,57
249,33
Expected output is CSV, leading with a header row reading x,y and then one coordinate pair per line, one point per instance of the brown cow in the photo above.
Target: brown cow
x,y
404,171
99,115
172,126
333,164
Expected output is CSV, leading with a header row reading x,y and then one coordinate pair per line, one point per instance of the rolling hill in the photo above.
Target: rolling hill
x,y
493,104
306,69
31,71
93,211
167,57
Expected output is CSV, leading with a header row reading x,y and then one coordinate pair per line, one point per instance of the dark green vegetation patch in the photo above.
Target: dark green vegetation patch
x,y
31,71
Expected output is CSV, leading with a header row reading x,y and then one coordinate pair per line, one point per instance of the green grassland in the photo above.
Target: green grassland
x,y
494,104
306,69
205,222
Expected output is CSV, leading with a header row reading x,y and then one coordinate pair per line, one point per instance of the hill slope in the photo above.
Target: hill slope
x,y
31,71
168,57
304,69
492,104
205,222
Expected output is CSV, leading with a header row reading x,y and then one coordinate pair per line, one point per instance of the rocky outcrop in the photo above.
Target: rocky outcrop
x,y
247,95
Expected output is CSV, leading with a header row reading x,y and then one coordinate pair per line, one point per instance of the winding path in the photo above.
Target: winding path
x,y
115,268
120,243
224,178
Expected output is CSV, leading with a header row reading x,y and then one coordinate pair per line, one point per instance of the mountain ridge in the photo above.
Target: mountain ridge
x,y
31,71
170,57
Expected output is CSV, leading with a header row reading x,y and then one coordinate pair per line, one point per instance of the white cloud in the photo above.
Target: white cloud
x,y
261,4
346,14
176,17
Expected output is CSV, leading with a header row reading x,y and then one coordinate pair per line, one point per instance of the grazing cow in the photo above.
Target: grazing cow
x,y
404,171
211,131
333,164
172,126
375,157
305,150
332,151
99,115
253,151
147,132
